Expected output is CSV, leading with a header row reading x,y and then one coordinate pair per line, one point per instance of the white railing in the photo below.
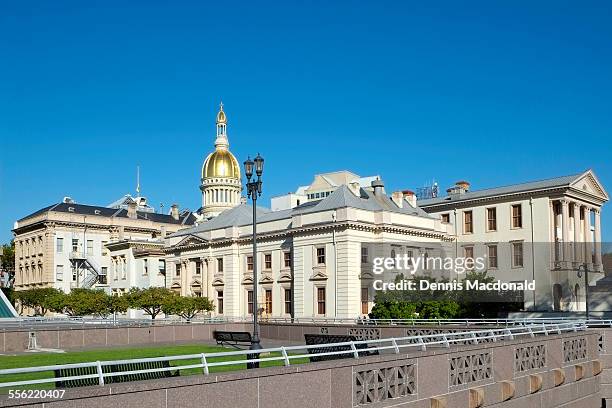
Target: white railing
x,y
292,353
124,321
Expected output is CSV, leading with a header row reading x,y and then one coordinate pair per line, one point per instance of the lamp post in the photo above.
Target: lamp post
x,y
254,191
586,287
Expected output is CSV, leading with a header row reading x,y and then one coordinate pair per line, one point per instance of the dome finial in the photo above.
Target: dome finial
x,y
221,118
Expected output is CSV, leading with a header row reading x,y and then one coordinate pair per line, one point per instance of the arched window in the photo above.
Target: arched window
x,y
557,295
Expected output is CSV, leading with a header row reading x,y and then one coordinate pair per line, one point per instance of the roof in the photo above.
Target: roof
x,y
340,198
185,218
555,182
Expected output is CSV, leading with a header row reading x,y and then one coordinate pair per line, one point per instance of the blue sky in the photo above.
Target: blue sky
x,y
491,92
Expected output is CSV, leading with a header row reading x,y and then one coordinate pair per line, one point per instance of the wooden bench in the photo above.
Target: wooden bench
x,y
313,339
233,339
115,368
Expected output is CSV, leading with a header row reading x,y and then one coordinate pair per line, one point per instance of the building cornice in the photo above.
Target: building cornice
x,y
185,245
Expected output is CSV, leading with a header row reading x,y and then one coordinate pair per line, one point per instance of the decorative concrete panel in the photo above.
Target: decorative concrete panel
x,y
369,333
529,358
470,368
385,383
574,350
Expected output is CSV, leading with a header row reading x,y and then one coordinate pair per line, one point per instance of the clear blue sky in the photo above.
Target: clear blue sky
x,y
491,92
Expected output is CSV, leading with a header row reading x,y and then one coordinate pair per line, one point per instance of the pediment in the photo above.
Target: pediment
x,y
218,282
191,240
318,276
266,279
248,280
366,275
285,277
588,183
196,282
175,286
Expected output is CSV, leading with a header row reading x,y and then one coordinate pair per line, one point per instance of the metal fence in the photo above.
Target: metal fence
x,y
290,354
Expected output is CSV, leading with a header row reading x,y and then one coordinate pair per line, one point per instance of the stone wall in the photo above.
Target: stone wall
x,y
71,338
555,371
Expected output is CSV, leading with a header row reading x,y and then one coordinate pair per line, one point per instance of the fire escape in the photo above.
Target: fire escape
x,y
92,273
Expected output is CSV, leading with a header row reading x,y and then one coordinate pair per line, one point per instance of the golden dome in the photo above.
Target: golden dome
x,y
221,163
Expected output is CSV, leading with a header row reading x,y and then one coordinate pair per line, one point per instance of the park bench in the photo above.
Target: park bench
x,y
115,368
314,339
231,338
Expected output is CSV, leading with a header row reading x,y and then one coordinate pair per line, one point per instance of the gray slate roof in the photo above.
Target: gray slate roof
x,y
185,218
340,198
514,188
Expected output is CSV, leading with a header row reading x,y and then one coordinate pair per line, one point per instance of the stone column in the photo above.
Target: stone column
x,y
577,244
598,263
553,232
588,258
565,229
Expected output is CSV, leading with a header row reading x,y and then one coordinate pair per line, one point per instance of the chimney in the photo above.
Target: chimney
x,y
398,198
379,188
131,210
163,231
410,197
174,212
355,188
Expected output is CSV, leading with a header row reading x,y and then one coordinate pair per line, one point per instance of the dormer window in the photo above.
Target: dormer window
x,y
70,209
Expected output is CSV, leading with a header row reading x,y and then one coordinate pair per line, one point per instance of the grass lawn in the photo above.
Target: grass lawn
x,y
45,359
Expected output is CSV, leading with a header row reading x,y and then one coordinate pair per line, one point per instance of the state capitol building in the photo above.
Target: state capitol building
x,y
316,245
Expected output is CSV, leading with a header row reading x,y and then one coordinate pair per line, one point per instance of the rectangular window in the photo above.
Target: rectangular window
x,y
220,302
364,255
59,245
103,249
468,226
492,256
89,247
249,301
123,268
287,259
198,266
468,252
517,254
321,301
162,267
178,269
321,256
268,301
59,272
287,301
75,245
145,267
74,274
446,218
491,219
250,263
364,301
219,264
268,261
517,216
104,270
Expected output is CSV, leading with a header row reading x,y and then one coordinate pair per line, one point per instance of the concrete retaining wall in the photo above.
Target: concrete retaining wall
x,y
71,338
559,371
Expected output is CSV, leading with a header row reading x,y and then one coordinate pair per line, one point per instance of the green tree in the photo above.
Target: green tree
x,y
7,256
187,307
40,300
85,302
150,300
117,304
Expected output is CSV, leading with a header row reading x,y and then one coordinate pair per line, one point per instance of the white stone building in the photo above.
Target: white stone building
x,y
544,230
313,259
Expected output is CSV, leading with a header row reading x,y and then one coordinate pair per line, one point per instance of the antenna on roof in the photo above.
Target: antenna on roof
x,y
161,208
137,181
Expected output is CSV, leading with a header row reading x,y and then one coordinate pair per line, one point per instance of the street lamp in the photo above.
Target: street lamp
x,y
254,191
586,286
